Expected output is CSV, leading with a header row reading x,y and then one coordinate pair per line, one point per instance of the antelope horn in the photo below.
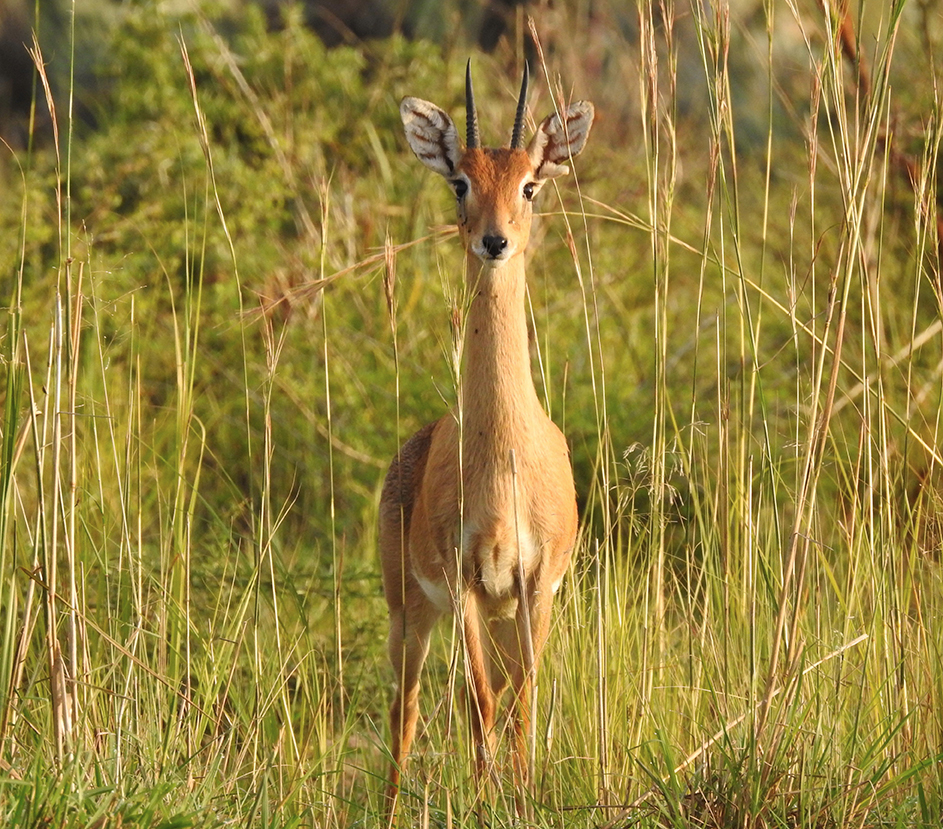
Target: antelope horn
x,y
471,115
517,136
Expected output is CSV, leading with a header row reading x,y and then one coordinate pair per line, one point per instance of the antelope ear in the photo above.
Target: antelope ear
x,y
431,135
558,140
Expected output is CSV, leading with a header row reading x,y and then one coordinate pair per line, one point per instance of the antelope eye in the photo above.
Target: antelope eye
x,y
460,186
530,190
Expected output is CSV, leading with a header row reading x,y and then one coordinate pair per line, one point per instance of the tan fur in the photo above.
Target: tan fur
x,y
458,522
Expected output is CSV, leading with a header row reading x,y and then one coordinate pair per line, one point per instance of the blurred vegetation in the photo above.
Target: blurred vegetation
x,y
312,124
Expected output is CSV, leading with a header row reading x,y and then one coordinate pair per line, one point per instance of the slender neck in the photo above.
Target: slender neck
x,y
499,399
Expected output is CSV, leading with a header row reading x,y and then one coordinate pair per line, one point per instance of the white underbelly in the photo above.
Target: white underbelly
x,y
436,592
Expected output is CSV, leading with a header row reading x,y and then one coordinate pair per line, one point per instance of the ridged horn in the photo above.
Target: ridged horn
x,y
517,136
471,114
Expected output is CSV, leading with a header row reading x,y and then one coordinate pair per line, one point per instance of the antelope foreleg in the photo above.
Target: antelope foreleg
x,y
410,628
481,698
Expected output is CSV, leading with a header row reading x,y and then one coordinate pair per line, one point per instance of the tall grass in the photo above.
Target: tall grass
x,y
736,306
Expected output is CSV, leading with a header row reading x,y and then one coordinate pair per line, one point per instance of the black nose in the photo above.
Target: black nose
x,y
494,245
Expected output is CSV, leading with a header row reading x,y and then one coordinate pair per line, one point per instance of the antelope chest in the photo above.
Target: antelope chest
x,y
486,559
492,556
483,525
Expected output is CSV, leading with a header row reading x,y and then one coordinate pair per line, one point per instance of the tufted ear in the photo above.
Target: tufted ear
x,y
432,135
556,141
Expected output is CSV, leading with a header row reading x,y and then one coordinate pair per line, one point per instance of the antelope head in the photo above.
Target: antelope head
x,y
495,188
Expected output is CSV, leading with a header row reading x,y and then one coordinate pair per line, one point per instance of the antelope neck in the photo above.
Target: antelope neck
x,y
499,399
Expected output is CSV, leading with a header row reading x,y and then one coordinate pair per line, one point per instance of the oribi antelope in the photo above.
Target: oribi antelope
x,y
478,509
